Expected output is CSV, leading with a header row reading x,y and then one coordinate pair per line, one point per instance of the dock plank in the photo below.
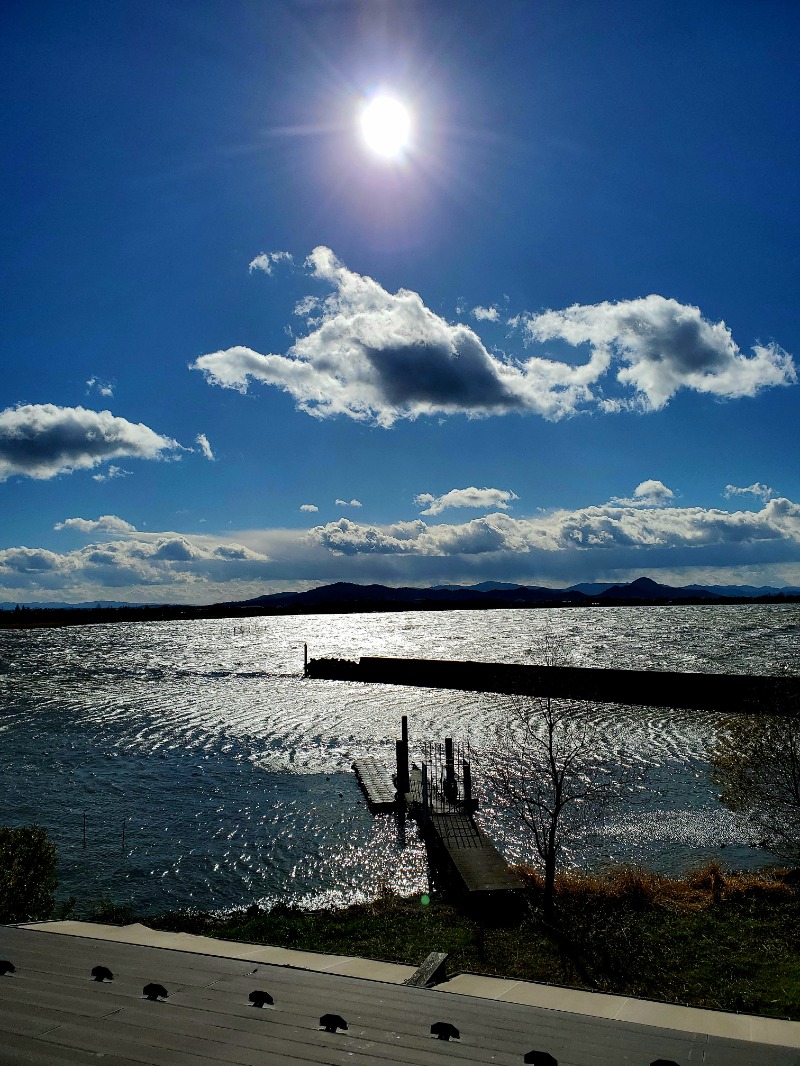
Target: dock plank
x,y
377,783
478,864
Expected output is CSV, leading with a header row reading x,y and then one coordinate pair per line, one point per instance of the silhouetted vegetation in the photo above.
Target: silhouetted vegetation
x,y
27,874
756,764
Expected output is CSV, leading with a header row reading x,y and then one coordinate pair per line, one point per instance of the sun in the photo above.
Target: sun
x,y
386,127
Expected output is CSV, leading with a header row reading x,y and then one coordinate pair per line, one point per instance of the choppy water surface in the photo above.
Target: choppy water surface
x,y
231,773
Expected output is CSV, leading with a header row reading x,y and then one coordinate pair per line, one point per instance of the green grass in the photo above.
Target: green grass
x,y
712,939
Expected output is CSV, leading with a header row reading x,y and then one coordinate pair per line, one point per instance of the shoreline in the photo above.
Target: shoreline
x,y
53,617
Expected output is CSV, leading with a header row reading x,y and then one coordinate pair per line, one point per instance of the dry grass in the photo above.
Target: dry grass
x,y
636,887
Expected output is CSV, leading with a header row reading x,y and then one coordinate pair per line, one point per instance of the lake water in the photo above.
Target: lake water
x,y
231,775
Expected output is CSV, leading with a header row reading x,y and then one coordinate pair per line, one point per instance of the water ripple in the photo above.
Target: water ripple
x,y
231,773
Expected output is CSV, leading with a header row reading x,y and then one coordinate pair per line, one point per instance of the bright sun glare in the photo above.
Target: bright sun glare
x,y
386,126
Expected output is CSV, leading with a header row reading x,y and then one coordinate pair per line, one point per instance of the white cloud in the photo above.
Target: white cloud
x,y
609,541
111,472
486,314
134,559
265,261
599,528
310,507
664,346
470,497
378,356
306,305
764,492
348,503
202,440
107,523
105,388
43,440
647,494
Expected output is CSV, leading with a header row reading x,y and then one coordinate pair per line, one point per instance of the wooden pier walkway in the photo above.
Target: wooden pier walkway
x,y
377,784
473,862
457,846
438,795
481,868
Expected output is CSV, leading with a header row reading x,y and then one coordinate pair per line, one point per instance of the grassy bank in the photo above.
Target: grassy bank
x,y
712,939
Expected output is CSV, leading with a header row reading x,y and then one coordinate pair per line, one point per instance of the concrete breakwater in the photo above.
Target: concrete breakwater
x,y
652,688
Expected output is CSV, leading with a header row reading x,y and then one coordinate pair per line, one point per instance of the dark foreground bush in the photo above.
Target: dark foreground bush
x,y
27,874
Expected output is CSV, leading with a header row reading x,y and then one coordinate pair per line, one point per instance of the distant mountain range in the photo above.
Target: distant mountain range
x,y
347,596
642,590
90,605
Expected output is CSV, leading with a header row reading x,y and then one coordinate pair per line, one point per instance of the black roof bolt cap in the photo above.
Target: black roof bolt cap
x,y
154,992
7,967
445,1031
259,999
102,973
332,1022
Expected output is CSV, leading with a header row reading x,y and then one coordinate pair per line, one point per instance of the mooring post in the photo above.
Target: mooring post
x,y
403,781
467,787
305,660
450,788
425,811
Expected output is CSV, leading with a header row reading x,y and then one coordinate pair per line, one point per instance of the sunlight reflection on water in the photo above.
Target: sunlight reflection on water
x,y
232,772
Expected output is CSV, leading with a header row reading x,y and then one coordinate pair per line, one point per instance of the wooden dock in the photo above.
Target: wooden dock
x,y
472,864
438,796
479,866
377,784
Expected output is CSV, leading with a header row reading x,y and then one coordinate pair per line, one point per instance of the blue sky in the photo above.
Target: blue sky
x,y
554,340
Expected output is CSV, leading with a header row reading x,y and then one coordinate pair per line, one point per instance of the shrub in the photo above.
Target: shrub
x,y
106,912
27,874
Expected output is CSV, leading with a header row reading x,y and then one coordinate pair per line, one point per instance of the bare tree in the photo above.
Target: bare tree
x,y
542,766
755,762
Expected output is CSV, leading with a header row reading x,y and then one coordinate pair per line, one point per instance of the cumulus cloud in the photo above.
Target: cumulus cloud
x,y
379,356
610,541
43,440
764,492
664,346
105,388
470,497
486,314
265,261
597,528
348,503
310,507
202,440
107,523
134,559
647,494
